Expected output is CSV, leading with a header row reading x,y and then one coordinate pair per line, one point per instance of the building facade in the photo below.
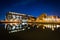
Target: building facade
x,y
46,21
20,21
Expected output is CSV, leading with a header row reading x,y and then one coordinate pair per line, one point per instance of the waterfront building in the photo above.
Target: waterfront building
x,y
46,21
17,18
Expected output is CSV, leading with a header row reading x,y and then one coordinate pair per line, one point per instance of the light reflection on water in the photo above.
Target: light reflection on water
x,y
14,27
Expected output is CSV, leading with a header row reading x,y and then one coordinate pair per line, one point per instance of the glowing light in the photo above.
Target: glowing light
x,y
28,27
52,28
23,23
43,27
23,29
13,28
11,24
14,16
58,26
11,19
37,26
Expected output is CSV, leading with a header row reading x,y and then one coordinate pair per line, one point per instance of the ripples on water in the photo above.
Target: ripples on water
x,y
13,27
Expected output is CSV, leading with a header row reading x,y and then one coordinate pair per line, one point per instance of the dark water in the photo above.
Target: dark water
x,y
31,34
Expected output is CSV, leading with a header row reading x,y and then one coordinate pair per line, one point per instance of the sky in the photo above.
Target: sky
x,y
30,7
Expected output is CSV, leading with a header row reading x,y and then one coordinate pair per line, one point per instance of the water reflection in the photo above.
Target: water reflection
x,y
51,26
14,27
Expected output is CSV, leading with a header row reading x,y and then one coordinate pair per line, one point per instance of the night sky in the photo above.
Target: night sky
x,y
31,7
